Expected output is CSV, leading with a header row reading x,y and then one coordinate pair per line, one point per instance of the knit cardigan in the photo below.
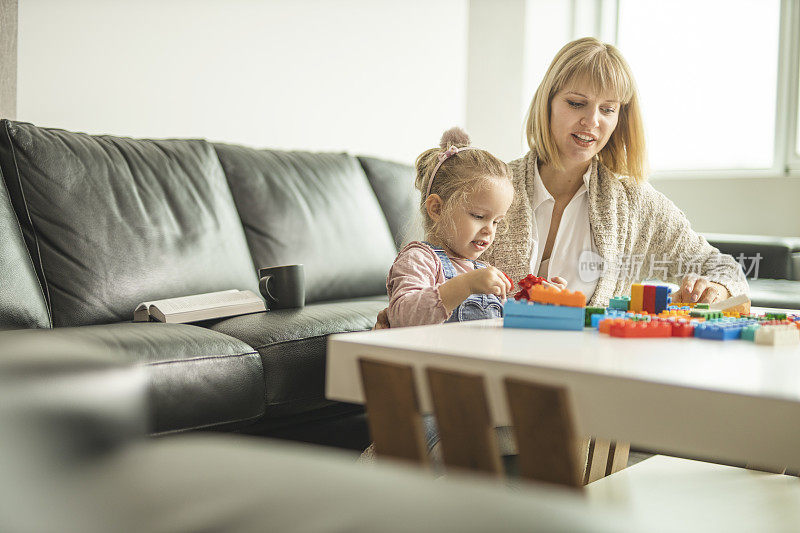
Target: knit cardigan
x,y
631,224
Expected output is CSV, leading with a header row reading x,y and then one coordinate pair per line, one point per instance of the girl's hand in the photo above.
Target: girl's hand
x,y
489,280
698,289
383,319
558,282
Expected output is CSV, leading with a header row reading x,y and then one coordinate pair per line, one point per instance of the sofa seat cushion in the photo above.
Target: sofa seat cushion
x,y
292,344
112,222
779,293
78,396
196,377
312,208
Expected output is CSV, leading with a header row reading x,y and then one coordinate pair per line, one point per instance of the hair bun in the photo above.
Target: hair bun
x,y
454,137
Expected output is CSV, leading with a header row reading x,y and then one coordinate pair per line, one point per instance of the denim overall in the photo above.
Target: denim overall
x,y
475,307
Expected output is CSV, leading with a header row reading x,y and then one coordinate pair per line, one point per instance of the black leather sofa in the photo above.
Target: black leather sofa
x,y
90,226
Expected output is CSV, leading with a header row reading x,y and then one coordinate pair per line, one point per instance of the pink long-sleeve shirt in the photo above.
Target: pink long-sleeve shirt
x,y
413,286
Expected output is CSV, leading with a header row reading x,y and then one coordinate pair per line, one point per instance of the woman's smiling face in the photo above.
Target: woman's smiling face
x,y
582,122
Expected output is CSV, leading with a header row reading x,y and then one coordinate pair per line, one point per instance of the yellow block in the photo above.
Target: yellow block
x,y
637,297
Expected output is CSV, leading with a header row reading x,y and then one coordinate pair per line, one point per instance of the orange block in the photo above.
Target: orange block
x,y
549,295
605,325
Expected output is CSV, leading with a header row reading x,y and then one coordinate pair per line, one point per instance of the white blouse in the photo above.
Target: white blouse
x,y
573,240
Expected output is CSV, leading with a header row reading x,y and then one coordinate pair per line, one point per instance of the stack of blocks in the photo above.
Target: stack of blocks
x,y
546,308
651,299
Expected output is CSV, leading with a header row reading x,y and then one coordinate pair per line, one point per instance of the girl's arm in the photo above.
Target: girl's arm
x,y
487,280
412,285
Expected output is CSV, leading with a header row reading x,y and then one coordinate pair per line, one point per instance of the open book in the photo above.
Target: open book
x,y
199,307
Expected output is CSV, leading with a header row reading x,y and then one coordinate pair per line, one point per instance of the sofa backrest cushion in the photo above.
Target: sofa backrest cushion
x,y
22,302
393,184
311,208
112,222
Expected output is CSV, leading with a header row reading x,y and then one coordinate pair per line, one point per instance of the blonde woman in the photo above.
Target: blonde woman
x,y
582,207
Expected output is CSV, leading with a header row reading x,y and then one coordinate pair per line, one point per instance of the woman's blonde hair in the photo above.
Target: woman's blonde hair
x,y
603,66
458,176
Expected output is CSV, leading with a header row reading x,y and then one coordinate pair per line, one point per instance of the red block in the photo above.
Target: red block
x,y
649,299
630,329
682,328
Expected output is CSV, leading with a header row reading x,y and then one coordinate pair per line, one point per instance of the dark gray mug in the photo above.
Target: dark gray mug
x,y
283,287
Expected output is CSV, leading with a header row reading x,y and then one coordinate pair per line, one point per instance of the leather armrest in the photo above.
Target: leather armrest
x,y
774,255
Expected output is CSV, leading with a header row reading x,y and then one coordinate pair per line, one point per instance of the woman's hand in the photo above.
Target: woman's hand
x,y
558,282
489,280
698,289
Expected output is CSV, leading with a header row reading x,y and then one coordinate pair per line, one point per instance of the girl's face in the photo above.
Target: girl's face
x,y
474,221
582,122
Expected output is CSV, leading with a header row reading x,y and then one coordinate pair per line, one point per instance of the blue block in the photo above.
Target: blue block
x,y
662,298
517,321
542,316
596,320
543,310
721,331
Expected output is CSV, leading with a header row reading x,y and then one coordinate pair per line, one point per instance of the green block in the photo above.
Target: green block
x,y
701,306
775,316
705,313
749,332
592,311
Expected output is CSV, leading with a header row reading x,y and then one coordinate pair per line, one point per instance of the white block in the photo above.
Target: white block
x,y
778,335
733,301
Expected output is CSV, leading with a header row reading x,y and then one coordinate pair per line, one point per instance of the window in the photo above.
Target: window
x,y
708,76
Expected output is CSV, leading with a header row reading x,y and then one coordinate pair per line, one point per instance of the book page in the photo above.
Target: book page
x,y
198,302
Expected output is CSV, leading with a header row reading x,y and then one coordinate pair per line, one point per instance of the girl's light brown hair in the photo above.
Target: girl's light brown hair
x,y
603,66
459,176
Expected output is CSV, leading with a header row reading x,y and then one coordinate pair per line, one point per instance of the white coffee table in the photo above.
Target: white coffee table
x,y
722,400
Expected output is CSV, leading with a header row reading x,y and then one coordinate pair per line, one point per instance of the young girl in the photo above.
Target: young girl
x,y
465,193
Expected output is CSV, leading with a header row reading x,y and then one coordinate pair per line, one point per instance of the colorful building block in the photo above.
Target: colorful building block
x,y
637,296
682,328
542,316
550,295
620,302
778,335
591,311
738,304
662,298
722,332
629,329
705,313
649,299
749,332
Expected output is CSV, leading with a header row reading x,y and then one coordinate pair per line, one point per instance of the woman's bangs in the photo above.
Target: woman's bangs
x,y
602,73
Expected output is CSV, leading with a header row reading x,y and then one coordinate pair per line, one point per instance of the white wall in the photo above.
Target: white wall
x,y
366,76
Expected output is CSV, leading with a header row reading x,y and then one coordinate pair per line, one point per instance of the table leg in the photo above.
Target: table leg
x,y
462,415
393,411
618,457
599,457
548,445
